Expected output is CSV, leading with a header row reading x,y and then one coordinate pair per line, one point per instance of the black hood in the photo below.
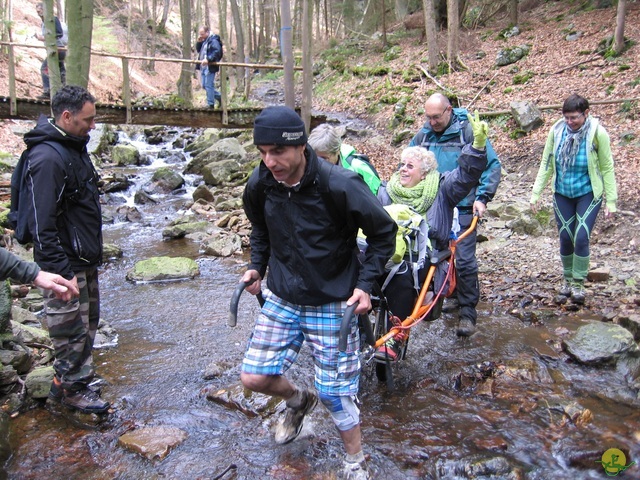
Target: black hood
x,y
47,130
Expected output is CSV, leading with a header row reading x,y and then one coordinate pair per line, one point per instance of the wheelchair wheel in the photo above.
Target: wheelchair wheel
x,y
380,328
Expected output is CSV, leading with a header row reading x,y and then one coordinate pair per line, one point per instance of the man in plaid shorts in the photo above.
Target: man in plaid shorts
x,y
305,214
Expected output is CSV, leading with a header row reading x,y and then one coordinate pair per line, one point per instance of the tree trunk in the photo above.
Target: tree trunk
x,y
80,24
166,8
240,44
307,61
384,24
432,33
184,83
286,48
513,12
619,35
262,37
452,33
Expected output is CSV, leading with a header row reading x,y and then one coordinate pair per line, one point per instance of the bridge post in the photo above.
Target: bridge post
x,y
126,90
13,106
223,92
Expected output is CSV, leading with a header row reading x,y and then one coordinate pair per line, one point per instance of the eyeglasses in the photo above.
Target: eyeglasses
x,y
435,118
573,118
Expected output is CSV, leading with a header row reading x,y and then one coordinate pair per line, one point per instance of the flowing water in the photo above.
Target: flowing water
x,y
498,395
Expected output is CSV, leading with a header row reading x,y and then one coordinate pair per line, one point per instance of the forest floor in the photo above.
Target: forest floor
x,y
516,270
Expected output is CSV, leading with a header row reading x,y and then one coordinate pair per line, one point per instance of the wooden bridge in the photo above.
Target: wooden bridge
x,y
28,109
12,107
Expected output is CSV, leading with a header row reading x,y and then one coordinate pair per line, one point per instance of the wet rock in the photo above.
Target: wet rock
x,y
30,335
5,306
222,172
115,182
631,322
20,315
202,192
222,245
600,343
38,382
125,155
182,228
222,150
19,359
163,268
111,252
239,398
153,442
166,180
142,197
215,369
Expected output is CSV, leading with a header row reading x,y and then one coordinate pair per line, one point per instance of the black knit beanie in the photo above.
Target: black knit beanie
x,y
279,125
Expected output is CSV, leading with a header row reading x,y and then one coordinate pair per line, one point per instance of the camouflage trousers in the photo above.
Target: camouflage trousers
x,y
72,328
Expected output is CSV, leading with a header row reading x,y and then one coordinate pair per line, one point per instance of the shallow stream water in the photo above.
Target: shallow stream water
x,y
457,402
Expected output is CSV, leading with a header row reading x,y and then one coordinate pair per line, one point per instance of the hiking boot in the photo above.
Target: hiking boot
x,y
466,328
85,400
356,471
578,295
565,290
389,351
56,390
289,427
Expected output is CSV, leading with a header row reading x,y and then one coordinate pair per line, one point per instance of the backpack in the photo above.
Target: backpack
x,y
218,41
412,241
19,211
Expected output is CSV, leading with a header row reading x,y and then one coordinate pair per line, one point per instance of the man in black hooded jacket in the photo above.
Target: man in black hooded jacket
x,y
65,221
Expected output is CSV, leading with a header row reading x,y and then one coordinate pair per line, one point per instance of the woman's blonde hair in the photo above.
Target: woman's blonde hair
x,y
426,158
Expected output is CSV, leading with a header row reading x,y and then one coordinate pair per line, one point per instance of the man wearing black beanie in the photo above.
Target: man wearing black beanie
x,y
305,215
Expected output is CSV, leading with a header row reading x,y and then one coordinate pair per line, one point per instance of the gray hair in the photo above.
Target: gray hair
x,y
426,158
325,138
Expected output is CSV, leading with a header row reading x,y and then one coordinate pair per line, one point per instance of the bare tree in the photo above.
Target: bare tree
x,y
240,43
307,61
286,47
432,33
184,83
618,45
52,47
80,25
513,12
452,33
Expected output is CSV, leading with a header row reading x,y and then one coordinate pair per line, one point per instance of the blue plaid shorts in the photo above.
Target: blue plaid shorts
x,y
282,327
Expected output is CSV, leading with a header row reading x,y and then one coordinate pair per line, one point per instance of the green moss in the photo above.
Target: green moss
x,y
508,90
523,78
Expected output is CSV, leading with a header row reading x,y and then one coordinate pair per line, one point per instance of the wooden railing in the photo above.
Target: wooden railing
x,y
126,83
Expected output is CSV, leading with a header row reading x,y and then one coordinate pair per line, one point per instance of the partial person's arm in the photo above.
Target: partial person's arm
x,y
29,272
544,171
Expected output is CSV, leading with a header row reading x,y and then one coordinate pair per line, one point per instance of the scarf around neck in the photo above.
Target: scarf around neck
x,y
420,197
571,145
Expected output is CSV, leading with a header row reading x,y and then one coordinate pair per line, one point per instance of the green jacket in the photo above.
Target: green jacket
x,y
350,161
600,165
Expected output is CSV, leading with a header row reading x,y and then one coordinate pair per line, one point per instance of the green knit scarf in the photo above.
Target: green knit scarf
x,y
420,197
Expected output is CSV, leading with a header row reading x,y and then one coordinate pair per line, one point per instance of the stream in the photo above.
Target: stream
x,y
498,403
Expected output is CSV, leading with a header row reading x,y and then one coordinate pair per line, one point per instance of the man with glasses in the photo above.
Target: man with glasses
x,y
445,132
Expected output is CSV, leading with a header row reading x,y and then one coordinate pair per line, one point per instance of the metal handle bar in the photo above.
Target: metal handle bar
x,y
235,299
344,326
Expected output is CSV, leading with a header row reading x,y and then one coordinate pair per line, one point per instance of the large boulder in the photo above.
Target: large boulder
x,y
166,180
508,56
225,149
125,155
163,268
527,115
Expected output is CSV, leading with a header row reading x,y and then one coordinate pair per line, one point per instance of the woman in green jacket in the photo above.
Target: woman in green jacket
x,y
577,158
